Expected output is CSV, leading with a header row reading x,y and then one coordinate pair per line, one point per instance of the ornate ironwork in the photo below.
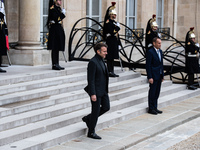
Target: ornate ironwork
x,y
44,39
164,32
132,51
130,36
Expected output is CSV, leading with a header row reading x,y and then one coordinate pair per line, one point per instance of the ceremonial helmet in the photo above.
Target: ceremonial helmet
x,y
112,10
191,33
153,22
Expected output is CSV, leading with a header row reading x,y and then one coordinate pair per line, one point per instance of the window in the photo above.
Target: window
x,y
93,10
160,11
44,5
131,13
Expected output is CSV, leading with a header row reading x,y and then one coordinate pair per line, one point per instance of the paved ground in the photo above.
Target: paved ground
x,y
192,143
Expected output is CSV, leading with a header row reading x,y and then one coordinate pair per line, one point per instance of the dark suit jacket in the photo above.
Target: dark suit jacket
x,y
153,65
97,77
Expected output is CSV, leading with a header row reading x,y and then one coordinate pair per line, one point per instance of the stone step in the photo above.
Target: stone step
x,y
55,89
177,134
55,110
41,74
26,86
72,117
53,81
70,95
66,133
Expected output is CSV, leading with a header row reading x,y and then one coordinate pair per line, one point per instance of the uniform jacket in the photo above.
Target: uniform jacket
x,y
192,63
150,34
97,77
154,66
56,39
149,38
112,39
3,34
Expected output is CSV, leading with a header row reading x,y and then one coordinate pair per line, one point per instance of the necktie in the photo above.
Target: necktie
x,y
158,51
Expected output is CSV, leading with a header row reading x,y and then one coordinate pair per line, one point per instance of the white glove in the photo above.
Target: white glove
x,y
118,24
119,47
64,11
197,44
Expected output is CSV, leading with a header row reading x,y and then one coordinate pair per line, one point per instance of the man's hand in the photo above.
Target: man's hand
x,y
162,79
94,98
151,81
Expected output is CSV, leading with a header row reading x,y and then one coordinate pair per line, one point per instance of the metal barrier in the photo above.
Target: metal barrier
x,y
132,52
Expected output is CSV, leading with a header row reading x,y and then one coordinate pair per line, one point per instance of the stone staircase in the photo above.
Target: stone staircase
x,y
43,109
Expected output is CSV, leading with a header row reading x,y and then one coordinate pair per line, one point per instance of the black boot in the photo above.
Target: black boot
x,y
2,71
55,67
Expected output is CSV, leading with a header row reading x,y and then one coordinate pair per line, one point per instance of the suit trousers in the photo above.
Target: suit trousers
x,y
190,79
55,57
110,65
154,93
0,59
99,107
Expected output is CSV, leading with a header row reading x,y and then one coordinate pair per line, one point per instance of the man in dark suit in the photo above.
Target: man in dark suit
x,y
97,88
155,74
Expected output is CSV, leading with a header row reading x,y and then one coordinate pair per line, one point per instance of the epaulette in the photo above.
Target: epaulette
x,y
195,51
188,43
59,19
149,32
52,7
107,21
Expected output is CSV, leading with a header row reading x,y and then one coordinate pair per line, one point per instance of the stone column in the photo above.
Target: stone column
x,y
29,50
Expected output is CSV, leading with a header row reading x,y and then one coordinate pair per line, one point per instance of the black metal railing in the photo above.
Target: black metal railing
x,y
164,32
132,51
131,37
44,39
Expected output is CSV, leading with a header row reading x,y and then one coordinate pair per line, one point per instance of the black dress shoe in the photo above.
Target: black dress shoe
x,y
85,119
116,75
153,112
93,136
191,87
61,68
2,71
158,111
55,67
111,74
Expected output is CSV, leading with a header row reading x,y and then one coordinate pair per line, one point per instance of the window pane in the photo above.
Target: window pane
x,y
132,23
45,7
95,7
159,8
96,27
131,7
159,21
87,7
44,24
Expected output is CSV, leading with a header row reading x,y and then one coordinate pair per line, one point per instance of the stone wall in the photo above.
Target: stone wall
x,y
76,9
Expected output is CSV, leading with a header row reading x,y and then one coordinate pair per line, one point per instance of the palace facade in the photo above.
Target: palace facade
x,y
26,21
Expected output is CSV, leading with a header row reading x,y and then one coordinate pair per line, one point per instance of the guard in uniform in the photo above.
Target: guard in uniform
x,y
192,57
3,34
56,38
111,36
151,32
